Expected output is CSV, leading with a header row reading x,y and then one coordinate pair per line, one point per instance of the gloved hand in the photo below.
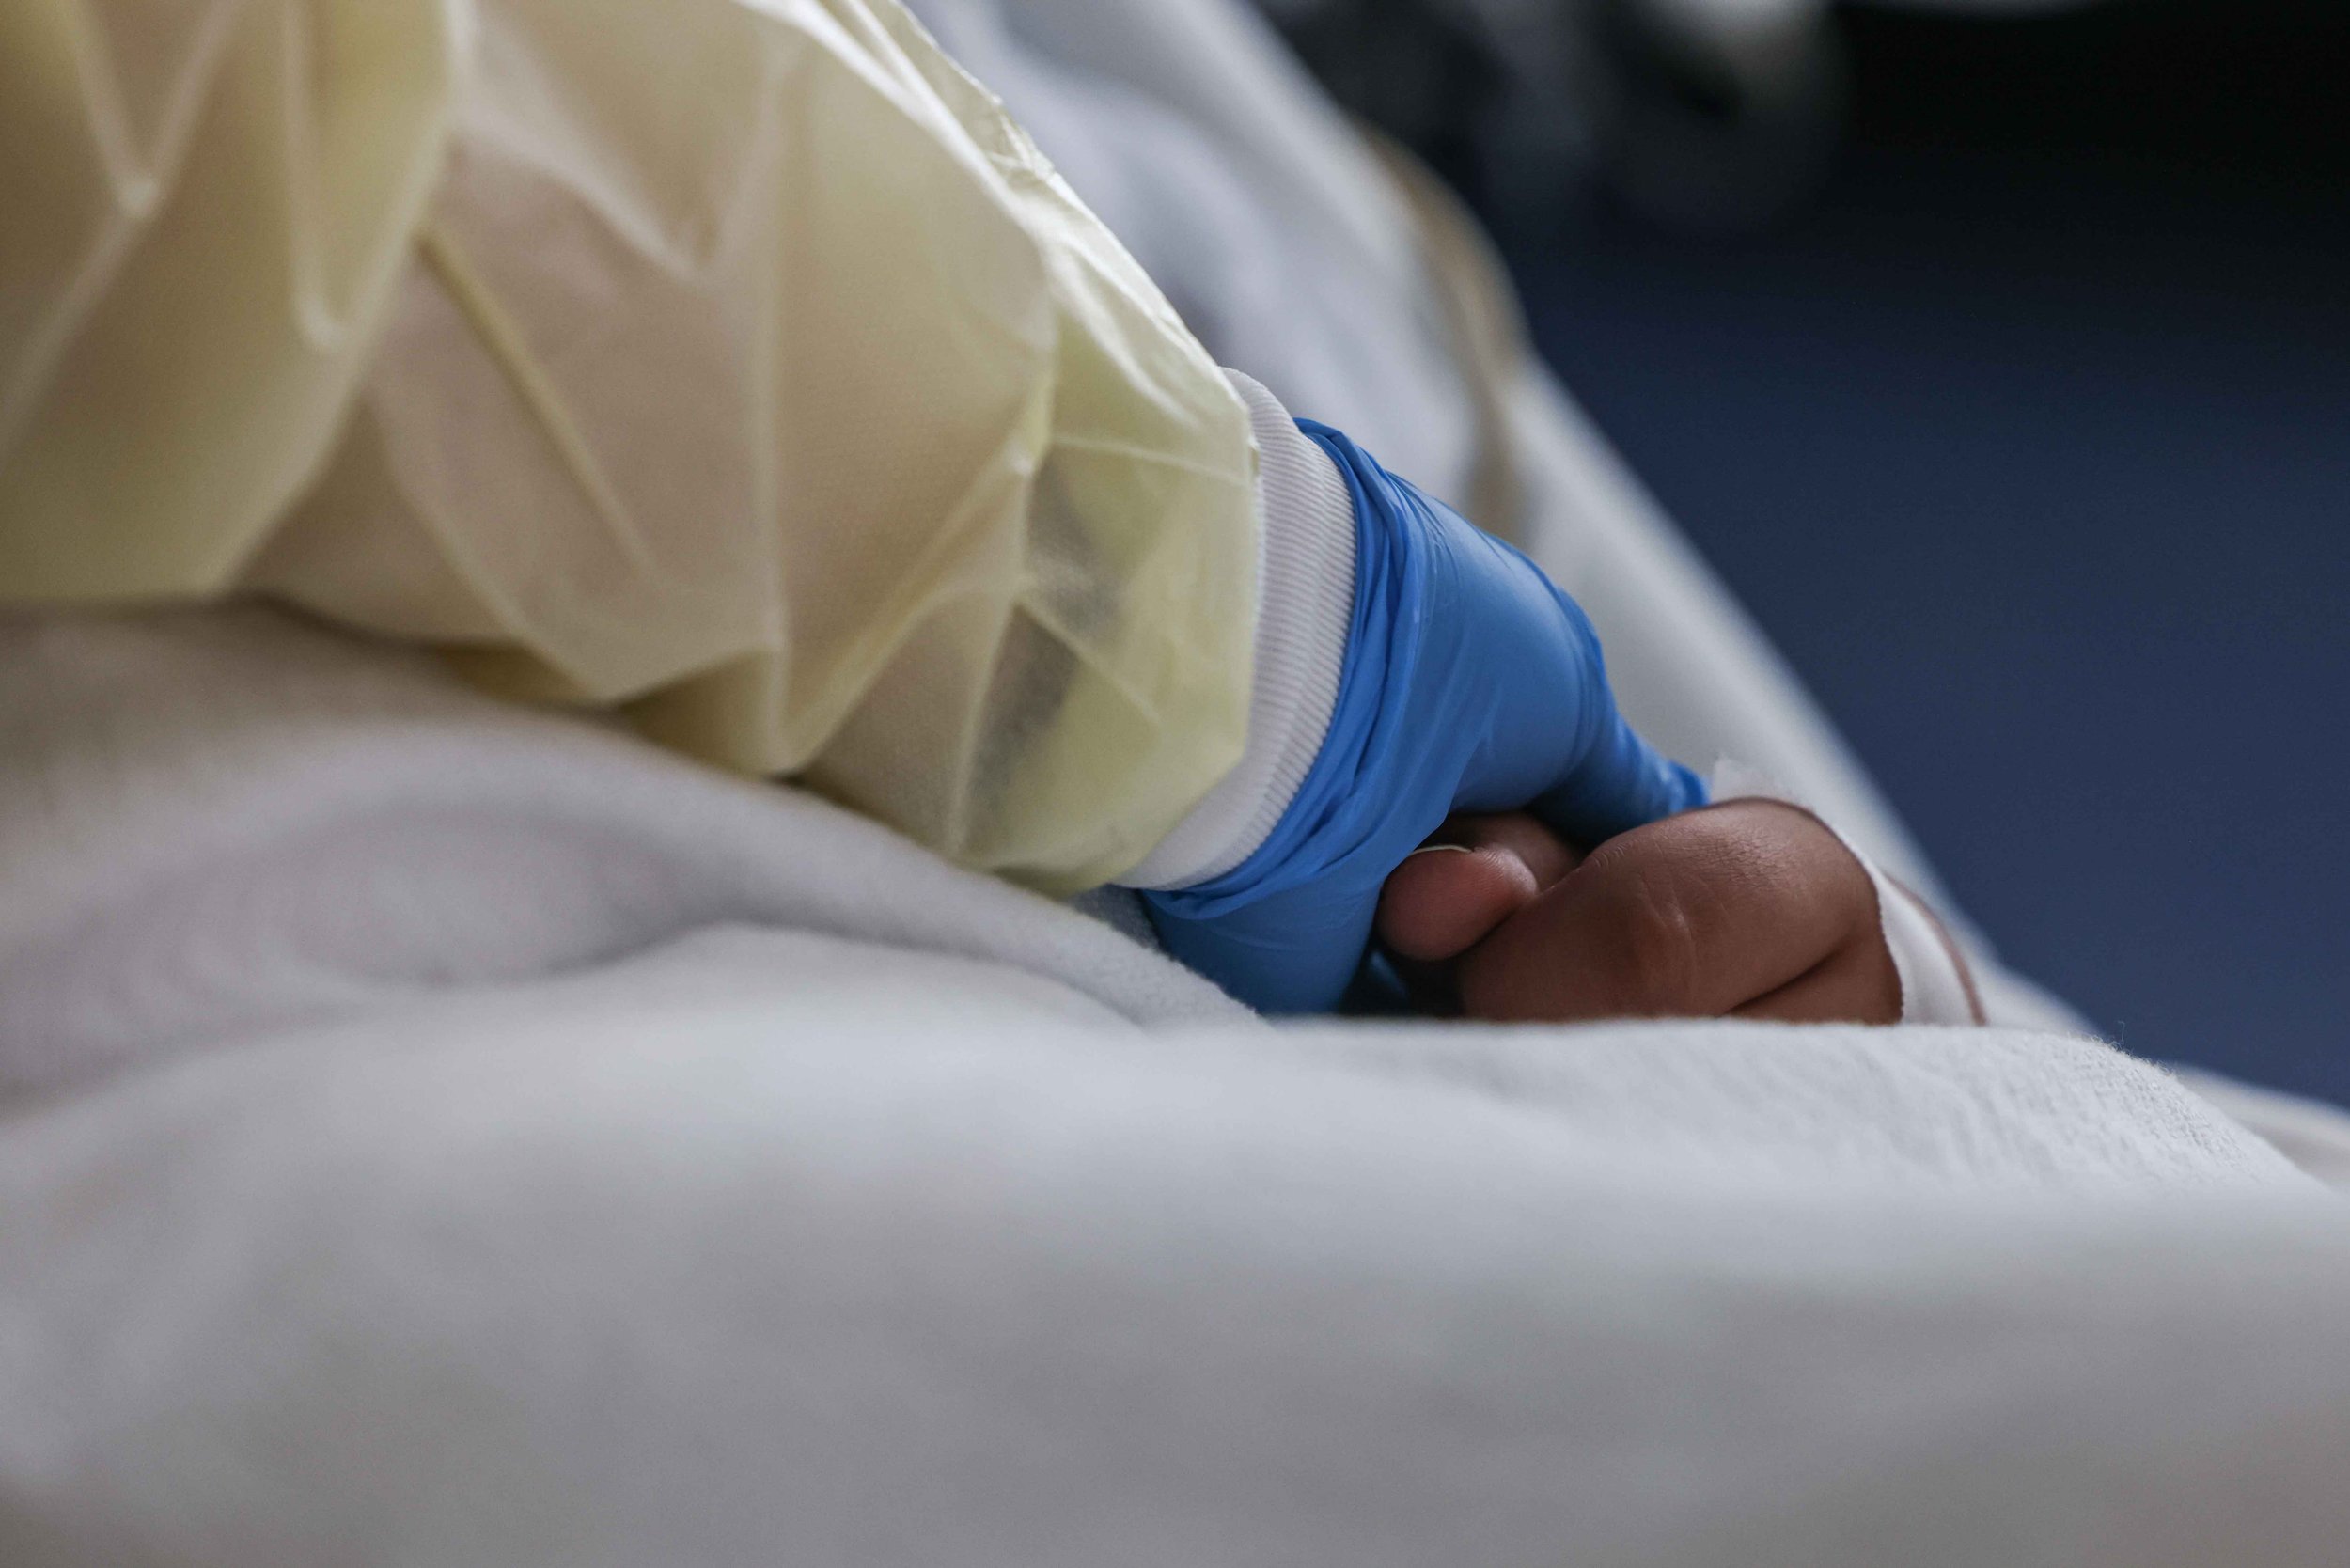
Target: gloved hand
x,y
1470,683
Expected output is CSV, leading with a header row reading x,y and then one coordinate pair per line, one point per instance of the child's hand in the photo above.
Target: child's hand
x,y
1752,910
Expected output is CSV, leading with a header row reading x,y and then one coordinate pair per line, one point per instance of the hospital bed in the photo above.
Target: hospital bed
x,y
438,1132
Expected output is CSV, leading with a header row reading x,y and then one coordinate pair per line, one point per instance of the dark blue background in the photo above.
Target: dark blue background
x,y
2028,441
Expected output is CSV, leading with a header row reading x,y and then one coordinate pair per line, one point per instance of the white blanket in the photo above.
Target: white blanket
x,y
583,1159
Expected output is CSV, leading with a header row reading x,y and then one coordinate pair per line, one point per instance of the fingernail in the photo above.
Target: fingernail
x,y
1437,848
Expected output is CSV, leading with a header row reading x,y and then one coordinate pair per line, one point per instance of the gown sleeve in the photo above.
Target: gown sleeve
x,y
738,366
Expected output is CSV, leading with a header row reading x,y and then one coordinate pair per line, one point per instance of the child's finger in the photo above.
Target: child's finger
x,y
1695,916
1857,984
1474,874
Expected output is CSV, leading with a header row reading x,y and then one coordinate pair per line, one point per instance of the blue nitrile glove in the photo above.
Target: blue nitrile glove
x,y
1471,684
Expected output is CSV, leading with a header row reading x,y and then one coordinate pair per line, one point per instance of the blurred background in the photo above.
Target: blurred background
x,y
1998,355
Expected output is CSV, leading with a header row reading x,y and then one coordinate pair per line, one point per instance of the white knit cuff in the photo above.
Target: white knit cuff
x,y
1935,985
1305,604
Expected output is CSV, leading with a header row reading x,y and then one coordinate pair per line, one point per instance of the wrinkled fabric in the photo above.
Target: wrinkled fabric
x,y
207,206
748,370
